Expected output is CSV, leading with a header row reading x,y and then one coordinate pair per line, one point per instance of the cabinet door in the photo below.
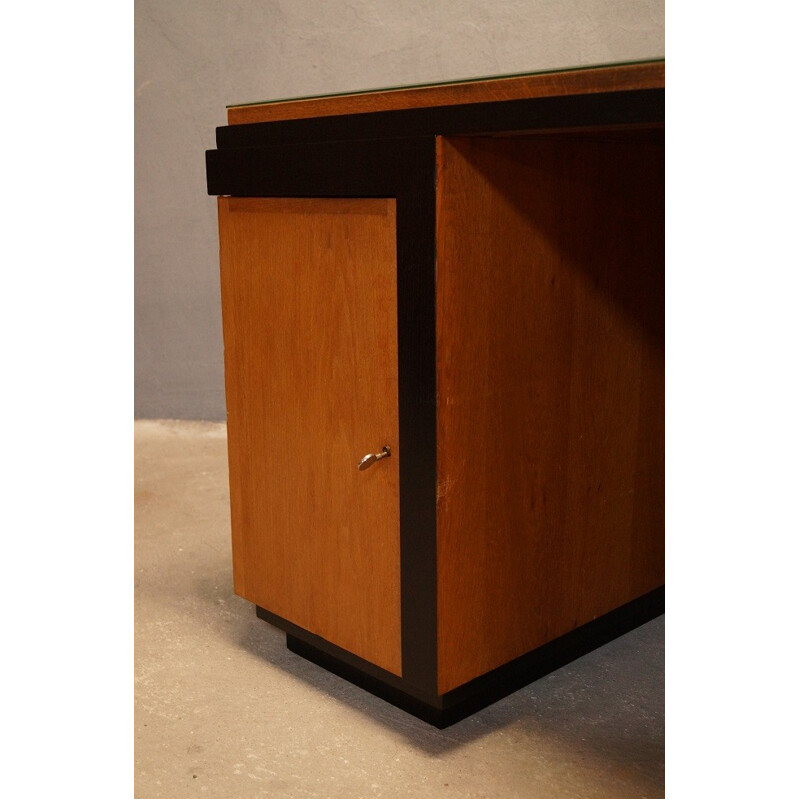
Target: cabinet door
x,y
309,302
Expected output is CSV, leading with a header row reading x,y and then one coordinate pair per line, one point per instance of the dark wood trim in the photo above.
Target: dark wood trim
x,y
644,107
391,692
487,689
373,168
405,170
416,320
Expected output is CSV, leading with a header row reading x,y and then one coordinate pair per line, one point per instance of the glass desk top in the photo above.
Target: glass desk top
x,y
446,83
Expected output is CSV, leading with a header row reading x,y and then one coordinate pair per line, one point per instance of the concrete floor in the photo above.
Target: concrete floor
x,y
223,709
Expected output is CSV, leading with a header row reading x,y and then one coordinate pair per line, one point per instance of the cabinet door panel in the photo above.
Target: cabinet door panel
x,y
309,303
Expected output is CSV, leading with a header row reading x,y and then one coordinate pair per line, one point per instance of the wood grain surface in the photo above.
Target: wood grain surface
x,y
310,330
550,388
626,77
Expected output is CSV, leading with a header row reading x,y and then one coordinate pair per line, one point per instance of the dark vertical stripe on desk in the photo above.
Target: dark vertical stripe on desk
x,y
416,290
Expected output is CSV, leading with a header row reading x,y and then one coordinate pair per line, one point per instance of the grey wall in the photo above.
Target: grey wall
x,y
193,57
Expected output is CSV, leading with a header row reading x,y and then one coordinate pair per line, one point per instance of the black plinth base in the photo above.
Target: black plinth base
x,y
454,706
397,697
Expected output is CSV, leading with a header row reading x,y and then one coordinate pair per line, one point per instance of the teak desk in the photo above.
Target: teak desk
x,y
467,282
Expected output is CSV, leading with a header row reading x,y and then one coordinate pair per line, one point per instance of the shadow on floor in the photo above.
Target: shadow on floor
x,y
606,705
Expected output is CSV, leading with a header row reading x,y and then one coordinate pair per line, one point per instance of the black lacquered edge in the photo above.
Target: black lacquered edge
x,y
389,691
405,170
487,689
636,107
322,169
416,320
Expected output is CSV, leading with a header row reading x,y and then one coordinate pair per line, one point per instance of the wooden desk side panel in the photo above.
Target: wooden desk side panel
x,y
550,389
310,328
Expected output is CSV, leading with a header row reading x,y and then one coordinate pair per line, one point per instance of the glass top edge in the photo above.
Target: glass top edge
x,y
475,79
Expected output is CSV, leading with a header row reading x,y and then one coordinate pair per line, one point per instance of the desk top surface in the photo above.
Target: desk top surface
x,y
552,83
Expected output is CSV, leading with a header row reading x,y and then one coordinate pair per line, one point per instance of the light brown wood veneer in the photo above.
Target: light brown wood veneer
x,y
618,78
310,327
550,389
